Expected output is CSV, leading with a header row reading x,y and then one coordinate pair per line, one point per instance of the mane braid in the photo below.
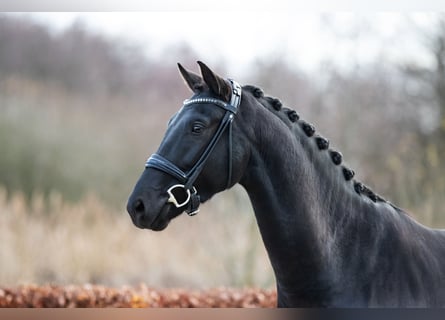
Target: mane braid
x,y
274,104
292,115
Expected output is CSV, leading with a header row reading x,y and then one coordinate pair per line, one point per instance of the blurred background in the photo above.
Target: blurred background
x,y
85,98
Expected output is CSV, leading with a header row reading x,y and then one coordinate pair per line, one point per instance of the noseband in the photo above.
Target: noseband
x,y
188,178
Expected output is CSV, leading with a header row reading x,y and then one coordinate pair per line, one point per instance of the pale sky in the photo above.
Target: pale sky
x,y
306,39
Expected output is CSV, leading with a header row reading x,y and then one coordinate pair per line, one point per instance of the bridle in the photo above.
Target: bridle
x,y
188,178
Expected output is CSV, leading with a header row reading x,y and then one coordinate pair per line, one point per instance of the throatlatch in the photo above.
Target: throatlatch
x,y
184,193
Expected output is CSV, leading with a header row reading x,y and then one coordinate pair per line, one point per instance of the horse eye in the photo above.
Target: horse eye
x,y
197,128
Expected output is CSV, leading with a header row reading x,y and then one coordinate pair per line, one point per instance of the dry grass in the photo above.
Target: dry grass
x,y
88,243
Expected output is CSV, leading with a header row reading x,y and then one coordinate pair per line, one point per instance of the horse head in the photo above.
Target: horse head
x,y
202,153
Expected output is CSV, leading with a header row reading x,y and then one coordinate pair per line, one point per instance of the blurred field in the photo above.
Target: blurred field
x,y
69,169
56,140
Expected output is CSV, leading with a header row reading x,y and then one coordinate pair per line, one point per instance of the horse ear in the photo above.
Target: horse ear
x,y
216,84
195,82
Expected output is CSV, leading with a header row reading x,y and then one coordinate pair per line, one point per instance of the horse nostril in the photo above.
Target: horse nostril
x,y
136,207
139,206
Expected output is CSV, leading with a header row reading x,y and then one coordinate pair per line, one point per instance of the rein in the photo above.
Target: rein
x,y
188,178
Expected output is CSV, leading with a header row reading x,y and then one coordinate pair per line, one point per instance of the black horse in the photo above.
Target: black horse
x,y
331,240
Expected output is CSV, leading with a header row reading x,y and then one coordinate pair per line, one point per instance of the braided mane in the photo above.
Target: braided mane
x,y
276,107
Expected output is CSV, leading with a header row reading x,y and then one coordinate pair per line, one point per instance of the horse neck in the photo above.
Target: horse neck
x,y
301,200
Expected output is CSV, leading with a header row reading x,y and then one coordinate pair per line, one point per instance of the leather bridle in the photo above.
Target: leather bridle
x,y
188,178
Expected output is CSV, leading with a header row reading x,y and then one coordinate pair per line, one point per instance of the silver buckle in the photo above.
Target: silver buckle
x,y
172,198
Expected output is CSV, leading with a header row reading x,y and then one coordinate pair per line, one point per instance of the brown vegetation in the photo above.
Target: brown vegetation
x,y
89,296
